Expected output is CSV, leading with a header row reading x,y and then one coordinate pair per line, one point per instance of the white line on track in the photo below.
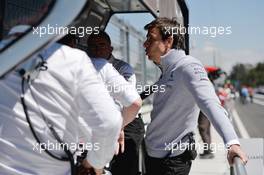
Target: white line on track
x,y
240,125
259,102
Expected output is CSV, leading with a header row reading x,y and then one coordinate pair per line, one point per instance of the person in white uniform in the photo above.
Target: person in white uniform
x,y
66,87
123,92
118,74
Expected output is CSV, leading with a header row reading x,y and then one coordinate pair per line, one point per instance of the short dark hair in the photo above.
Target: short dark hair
x,y
101,34
68,39
166,27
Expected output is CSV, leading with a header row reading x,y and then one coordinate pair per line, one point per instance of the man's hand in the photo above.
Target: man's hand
x,y
235,150
121,143
88,169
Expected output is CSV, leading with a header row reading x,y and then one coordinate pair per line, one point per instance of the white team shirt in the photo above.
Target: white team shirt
x,y
120,89
69,88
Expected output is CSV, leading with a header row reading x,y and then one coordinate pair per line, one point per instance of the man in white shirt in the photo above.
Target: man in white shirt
x,y
119,74
69,88
122,92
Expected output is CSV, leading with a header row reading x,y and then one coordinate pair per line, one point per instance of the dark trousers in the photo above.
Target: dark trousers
x,y
178,165
204,128
127,163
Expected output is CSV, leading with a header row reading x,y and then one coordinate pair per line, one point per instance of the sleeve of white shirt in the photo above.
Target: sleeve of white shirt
x,y
196,80
119,88
98,110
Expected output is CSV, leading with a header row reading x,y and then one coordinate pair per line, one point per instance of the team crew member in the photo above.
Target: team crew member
x,y
69,88
128,162
99,47
175,111
121,91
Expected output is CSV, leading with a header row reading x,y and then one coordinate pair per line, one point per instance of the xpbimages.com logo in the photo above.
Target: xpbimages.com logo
x,y
59,30
211,31
50,146
182,146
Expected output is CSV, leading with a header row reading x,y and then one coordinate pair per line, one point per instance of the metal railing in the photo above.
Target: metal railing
x,y
238,167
